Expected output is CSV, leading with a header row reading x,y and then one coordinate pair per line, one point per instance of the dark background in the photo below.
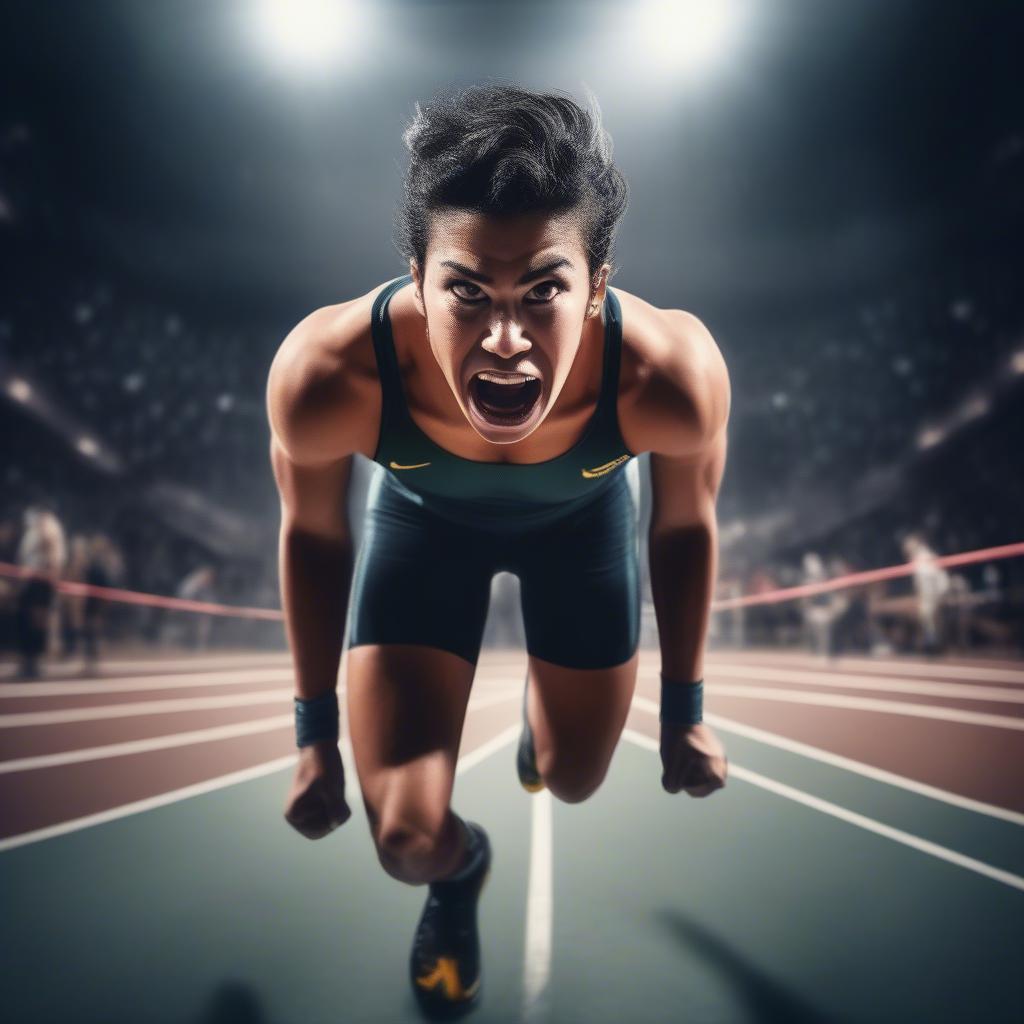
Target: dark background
x,y
837,193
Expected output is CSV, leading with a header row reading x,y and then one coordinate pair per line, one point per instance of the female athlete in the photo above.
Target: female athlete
x,y
503,386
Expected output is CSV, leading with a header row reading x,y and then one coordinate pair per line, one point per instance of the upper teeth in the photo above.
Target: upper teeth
x,y
505,378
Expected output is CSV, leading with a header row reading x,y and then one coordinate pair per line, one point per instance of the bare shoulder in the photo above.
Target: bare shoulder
x,y
323,393
674,393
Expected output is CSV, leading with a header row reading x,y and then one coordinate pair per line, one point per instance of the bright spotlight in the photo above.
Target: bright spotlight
x,y
687,35
305,34
87,446
20,390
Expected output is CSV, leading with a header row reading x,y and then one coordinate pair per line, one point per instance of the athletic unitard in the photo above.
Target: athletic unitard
x,y
438,527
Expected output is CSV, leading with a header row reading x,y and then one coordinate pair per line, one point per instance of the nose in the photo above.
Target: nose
x,y
506,339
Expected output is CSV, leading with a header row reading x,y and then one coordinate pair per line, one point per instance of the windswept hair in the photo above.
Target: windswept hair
x,y
499,150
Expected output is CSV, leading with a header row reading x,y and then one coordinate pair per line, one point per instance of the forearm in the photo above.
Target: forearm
x,y
683,563
316,574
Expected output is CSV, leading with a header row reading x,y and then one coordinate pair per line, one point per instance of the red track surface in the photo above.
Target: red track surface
x,y
982,762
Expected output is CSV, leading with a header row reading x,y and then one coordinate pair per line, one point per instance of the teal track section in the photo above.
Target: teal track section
x,y
747,907
744,908
212,910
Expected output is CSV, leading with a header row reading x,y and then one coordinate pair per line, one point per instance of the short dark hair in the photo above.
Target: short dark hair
x,y
499,149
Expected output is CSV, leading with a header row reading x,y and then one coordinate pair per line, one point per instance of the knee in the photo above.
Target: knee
x,y
570,783
408,850
574,792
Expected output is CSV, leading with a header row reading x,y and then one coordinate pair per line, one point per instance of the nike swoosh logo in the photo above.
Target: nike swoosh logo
x,y
418,465
606,468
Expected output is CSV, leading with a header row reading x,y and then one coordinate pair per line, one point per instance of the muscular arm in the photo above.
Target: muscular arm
x,y
686,467
683,552
315,560
312,464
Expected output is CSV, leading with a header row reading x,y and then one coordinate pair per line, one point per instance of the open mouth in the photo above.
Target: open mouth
x,y
504,399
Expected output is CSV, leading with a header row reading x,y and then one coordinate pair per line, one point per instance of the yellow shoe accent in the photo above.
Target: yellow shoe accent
x,y
419,465
534,788
446,975
606,468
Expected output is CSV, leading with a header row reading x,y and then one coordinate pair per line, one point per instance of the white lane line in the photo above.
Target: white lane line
x,y
897,668
492,746
537,949
138,806
177,681
195,736
222,782
181,739
194,680
885,684
112,669
148,707
889,707
848,764
852,818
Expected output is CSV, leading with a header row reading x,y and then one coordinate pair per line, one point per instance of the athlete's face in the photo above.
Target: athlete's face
x,y
508,298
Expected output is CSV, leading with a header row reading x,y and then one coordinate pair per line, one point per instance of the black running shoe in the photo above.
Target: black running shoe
x,y
526,757
445,962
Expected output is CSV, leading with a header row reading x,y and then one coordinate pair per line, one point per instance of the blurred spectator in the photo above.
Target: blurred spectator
x,y
71,607
104,568
194,627
931,584
42,551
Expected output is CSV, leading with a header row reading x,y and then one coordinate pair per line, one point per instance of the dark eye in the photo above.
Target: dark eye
x,y
462,298
552,288
548,284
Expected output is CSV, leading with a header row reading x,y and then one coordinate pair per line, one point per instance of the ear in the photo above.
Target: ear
x,y
598,287
417,281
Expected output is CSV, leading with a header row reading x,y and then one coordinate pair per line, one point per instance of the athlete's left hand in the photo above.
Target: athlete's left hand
x,y
692,758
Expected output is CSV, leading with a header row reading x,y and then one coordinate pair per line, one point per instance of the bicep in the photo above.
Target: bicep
x,y
314,498
684,488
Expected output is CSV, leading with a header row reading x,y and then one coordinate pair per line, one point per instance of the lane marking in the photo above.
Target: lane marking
x,y
22,719
109,669
954,691
222,782
183,739
852,818
899,668
889,707
537,948
150,803
848,764
177,681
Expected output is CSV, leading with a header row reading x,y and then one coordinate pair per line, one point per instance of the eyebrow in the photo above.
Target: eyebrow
x,y
530,275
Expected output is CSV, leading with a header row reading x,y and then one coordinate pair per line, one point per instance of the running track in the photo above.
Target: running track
x,y
864,863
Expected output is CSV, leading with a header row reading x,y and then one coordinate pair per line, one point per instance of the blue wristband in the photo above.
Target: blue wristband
x,y
682,702
316,719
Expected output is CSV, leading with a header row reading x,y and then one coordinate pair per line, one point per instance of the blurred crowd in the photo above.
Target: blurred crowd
x,y
42,623
932,610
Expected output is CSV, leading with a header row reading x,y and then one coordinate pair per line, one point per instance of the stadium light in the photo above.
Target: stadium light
x,y
305,34
687,35
87,446
1017,361
20,390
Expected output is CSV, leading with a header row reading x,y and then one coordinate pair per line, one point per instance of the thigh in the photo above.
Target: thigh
x,y
418,579
580,585
406,706
577,717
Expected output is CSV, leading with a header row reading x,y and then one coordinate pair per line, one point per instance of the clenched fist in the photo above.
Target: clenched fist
x,y
316,802
692,758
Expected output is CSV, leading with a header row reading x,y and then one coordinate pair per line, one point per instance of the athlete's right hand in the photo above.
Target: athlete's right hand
x,y
316,803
